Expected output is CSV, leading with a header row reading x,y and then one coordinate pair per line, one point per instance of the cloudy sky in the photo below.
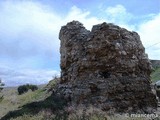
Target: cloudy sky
x,y
29,32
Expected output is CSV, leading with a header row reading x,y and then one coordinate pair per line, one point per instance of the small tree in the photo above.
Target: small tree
x,y
24,88
33,87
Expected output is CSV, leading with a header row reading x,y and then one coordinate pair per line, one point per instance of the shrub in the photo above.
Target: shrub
x,y
24,88
33,87
1,85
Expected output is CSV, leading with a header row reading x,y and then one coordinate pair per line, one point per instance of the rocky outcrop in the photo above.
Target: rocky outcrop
x,y
106,67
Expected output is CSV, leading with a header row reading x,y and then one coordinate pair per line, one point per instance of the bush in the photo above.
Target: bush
x,y
24,88
1,85
33,87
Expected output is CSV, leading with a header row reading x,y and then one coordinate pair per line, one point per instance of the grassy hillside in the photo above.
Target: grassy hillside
x,y
155,76
12,101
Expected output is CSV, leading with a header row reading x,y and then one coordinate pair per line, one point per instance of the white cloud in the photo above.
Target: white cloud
x,y
83,17
30,26
118,14
149,32
15,77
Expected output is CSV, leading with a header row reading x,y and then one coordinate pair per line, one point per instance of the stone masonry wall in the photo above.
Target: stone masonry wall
x,y
106,67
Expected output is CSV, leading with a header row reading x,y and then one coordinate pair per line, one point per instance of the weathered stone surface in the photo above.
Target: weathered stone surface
x,y
106,67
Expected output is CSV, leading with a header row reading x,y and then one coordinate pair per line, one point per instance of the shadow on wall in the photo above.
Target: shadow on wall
x,y
54,103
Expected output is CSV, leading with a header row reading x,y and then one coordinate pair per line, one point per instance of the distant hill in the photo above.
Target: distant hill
x,y
155,63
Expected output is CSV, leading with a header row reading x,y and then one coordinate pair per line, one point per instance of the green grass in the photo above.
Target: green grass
x,y
155,75
32,105
53,103
13,101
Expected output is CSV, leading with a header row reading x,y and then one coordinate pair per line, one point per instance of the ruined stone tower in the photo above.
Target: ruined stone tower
x,y
106,67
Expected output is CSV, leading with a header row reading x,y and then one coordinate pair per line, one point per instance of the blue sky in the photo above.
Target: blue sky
x,y
29,32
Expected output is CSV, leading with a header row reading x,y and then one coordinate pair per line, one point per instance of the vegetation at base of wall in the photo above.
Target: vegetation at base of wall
x,y
71,113
24,88
52,84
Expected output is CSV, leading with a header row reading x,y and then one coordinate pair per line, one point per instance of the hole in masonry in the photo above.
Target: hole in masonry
x,y
105,74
